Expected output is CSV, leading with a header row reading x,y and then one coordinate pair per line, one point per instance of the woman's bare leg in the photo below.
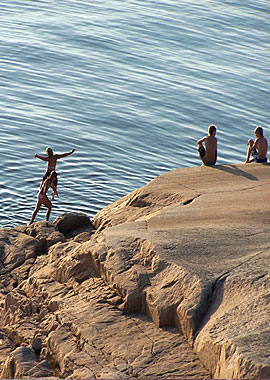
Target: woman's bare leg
x,y
48,214
48,204
38,205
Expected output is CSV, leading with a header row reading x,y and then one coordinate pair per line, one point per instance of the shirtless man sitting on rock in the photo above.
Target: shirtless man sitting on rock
x,y
208,154
258,148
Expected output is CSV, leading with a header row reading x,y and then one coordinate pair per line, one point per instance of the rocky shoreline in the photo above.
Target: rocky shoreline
x,y
170,281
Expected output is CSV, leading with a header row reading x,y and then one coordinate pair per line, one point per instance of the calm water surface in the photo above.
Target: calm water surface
x,y
131,86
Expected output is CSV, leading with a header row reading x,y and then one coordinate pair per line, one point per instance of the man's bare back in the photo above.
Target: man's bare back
x,y
210,148
261,145
208,155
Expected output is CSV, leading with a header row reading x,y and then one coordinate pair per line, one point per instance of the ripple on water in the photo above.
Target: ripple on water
x,y
131,88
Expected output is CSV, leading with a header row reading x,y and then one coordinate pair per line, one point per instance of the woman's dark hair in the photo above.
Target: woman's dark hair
x,y
53,178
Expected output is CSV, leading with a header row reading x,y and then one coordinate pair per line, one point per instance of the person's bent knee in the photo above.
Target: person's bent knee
x,y
202,152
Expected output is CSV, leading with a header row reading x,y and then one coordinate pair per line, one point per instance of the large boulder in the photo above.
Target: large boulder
x,y
70,221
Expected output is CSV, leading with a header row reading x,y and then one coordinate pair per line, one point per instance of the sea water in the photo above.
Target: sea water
x,y
131,85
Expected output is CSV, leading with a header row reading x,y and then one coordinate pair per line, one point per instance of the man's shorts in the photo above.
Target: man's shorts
x,y
202,152
257,159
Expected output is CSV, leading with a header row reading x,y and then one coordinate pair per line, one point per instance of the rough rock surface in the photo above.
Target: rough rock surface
x,y
171,281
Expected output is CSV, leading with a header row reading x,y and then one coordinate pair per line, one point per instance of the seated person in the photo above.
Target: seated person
x,y
258,148
208,154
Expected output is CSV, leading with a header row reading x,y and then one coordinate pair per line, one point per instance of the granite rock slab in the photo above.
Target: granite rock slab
x,y
170,281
